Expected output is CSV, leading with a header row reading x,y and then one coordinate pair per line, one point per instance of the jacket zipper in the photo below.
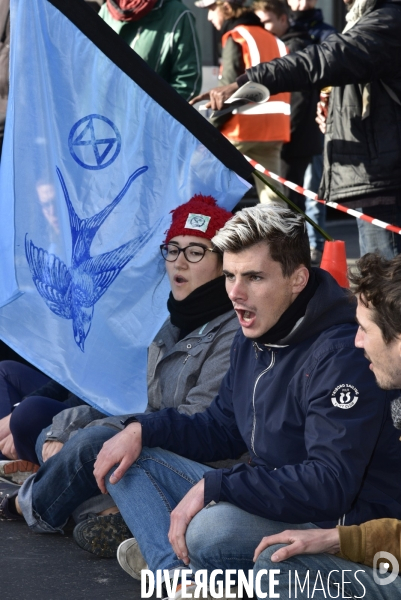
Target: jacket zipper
x,y
253,402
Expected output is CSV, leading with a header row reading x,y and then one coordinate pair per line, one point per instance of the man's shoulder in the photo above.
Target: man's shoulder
x,y
335,338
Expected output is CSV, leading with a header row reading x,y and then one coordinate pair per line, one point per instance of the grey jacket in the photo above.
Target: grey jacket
x,y
183,374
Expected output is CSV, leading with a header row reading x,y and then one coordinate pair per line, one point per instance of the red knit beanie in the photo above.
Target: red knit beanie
x,y
200,216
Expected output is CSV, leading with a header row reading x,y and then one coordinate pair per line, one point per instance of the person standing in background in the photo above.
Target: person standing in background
x,y
305,14
306,138
260,131
362,147
163,33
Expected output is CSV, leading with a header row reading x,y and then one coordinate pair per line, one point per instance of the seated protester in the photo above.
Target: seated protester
x,y
378,289
21,388
189,355
293,368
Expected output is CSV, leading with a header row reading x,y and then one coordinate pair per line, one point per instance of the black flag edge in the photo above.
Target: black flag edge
x,y
120,53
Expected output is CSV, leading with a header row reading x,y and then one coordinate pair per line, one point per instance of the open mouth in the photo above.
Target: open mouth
x,y
180,279
245,317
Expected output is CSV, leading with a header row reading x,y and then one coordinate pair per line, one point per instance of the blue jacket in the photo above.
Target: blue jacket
x,y
318,429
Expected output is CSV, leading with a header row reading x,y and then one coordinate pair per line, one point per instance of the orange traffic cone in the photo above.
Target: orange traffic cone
x,y
334,261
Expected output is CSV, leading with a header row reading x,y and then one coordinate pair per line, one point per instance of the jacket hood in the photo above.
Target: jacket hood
x,y
331,305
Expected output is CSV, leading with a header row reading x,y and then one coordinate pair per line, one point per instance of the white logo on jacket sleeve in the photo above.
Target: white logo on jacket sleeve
x,y
345,396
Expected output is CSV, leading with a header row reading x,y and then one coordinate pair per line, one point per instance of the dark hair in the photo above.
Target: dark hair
x,y
233,10
278,7
283,231
378,287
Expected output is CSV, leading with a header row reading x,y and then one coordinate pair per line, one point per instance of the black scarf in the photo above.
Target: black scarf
x,y
293,313
204,304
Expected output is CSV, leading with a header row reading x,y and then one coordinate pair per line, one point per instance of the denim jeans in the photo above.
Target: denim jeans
x,y
220,536
328,572
224,536
314,210
150,489
63,482
376,239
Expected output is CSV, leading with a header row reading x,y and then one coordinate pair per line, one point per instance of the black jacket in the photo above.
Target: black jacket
x,y
362,150
306,138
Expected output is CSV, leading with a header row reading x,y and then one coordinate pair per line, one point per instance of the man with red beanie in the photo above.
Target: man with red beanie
x,y
163,33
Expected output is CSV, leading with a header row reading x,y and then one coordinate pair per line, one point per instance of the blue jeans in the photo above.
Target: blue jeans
x,y
376,239
224,536
63,482
327,572
314,210
150,489
220,536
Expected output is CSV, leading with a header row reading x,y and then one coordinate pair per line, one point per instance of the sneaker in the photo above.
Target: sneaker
x,y
315,257
130,558
7,492
17,470
101,534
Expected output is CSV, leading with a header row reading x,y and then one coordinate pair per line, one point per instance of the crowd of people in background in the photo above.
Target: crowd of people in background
x,y
271,430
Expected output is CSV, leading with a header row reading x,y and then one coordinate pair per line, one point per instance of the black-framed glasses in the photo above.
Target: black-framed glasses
x,y
193,253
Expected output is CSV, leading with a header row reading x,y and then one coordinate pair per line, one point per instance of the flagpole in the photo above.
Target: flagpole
x,y
290,203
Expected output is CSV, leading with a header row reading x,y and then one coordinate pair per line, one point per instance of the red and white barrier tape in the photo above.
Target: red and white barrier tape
x,y
313,196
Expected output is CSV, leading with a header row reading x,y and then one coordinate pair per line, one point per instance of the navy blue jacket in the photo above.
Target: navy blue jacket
x,y
312,21
318,429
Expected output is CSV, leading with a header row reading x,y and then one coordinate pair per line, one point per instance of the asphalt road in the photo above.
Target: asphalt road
x,y
53,567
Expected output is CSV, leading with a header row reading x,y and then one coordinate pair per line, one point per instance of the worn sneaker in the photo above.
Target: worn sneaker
x,y
101,534
17,470
130,558
8,491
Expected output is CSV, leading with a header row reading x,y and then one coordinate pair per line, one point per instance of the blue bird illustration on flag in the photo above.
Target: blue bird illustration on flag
x,y
71,293
97,271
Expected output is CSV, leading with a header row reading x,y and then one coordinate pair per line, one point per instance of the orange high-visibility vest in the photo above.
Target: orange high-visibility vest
x,y
270,121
